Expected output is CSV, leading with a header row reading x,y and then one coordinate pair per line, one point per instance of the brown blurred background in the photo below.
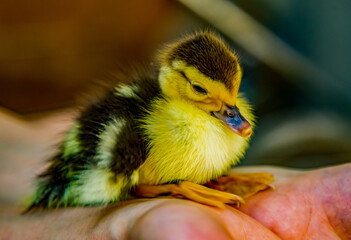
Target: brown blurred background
x,y
295,54
49,50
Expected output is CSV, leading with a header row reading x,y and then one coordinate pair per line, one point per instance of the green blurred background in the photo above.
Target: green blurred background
x,y
295,55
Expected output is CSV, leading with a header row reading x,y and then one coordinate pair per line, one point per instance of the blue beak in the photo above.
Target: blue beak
x,y
232,117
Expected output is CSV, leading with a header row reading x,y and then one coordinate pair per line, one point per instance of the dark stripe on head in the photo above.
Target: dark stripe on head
x,y
206,52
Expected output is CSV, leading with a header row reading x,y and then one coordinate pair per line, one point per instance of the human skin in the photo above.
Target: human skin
x,y
310,205
306,205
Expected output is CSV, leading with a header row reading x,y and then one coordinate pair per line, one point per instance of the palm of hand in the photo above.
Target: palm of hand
x,y
313,205
310,205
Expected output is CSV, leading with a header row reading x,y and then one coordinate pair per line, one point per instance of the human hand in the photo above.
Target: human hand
x,y
306,205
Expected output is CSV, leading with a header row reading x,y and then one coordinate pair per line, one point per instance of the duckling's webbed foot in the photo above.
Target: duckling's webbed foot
x,y
189,190
244,185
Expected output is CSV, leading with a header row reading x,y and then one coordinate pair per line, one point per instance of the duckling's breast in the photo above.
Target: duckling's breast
x,y
186,143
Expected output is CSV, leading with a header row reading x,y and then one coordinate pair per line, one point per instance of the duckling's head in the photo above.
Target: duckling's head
x,y
203,71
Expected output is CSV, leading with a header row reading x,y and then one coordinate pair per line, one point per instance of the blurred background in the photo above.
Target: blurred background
x,y
295,55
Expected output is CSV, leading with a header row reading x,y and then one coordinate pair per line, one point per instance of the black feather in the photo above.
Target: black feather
x,y
128,154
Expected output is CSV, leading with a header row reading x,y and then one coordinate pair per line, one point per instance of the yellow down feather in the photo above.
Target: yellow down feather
x,y
186,143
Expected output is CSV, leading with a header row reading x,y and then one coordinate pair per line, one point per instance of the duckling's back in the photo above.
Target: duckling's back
x,y
98,159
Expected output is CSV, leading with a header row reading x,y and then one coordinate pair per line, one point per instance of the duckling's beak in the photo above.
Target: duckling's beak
x,y
232,117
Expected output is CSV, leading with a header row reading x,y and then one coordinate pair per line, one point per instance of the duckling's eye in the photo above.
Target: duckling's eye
x,y
194,85
198,89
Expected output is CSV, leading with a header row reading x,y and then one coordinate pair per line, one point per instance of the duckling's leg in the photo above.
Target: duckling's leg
x,y
189,190
244,185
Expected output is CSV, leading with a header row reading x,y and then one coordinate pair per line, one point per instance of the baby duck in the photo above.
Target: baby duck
x,y
162,134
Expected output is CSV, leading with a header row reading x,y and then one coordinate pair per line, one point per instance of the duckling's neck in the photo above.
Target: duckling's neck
x,y
186,143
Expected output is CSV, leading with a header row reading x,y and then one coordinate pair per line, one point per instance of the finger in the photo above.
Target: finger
x,y
181,219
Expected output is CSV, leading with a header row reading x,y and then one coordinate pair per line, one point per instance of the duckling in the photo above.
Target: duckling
x,y
161,133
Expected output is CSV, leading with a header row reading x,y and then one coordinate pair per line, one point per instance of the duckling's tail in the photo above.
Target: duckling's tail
x,y
51,187
47,195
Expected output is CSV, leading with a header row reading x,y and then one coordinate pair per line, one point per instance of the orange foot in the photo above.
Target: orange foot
x,y
244,185
192,191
